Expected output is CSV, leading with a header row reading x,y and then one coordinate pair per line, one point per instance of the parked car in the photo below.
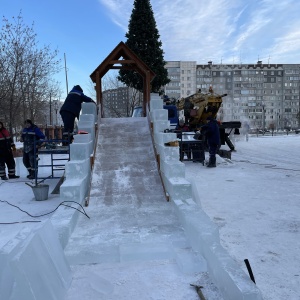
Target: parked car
x,y
137,112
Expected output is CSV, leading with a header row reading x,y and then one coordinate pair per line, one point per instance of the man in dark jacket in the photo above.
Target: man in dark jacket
x,y
31,136
212,134
71,109
6,155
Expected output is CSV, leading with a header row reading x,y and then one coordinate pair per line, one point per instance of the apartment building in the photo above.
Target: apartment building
x,y
263,95
119,102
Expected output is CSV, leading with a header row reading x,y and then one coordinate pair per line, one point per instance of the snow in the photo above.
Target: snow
x,y
255,203
253,199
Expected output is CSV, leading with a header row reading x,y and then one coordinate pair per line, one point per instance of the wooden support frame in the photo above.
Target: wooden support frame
x,y
129,61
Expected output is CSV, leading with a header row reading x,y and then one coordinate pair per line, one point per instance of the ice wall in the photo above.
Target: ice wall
x,y
202,233
77,172
33,264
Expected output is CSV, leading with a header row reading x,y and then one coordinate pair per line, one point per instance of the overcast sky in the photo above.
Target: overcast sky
x,y
227,31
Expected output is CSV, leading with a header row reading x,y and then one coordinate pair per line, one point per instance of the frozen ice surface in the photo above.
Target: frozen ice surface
x,y
131,224
36,265
146,251
189,262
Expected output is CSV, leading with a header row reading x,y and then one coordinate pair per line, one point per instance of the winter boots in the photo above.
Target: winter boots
x,y
10,177
67,138
212,162
31,175
13,176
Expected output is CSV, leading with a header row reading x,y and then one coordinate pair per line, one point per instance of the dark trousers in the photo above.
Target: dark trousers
x,y
68,120
212,149
8,159
30,161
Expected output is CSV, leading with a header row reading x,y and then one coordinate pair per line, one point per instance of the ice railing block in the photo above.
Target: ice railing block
x,y
79,151
89,108
160,137
161,125
168,153
39,267
156,102
78,168
85,139
201,231
74,189
159,114
172,168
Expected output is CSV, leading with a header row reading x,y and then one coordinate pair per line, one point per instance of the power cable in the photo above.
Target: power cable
x,y
61,204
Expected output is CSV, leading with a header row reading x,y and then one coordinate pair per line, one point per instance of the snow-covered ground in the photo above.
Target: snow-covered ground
x,y
254,199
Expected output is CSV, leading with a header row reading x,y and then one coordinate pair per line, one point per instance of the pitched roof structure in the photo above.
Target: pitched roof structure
x,y
122,57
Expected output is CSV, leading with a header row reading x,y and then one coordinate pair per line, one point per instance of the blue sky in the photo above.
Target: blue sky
x,y
227,31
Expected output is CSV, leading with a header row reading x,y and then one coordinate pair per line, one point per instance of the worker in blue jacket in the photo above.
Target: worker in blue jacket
x,y
212,134
71,110
32,138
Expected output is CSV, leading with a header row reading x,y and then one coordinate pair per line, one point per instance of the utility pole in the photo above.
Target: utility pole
x,y
56,109
66,73
50,111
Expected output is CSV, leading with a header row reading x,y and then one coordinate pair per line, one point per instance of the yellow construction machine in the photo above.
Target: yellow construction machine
x,y
196,108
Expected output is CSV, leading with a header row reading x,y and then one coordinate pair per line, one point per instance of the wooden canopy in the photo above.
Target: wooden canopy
x,y
129,61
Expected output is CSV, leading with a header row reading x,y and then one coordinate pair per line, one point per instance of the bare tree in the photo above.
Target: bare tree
x,y
26,71
135,98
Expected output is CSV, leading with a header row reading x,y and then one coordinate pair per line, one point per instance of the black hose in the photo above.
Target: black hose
x,y
62,203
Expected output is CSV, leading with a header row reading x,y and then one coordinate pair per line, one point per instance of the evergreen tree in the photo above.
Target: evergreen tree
x,y
143,40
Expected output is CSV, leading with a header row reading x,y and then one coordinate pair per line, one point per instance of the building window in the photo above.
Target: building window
x,y
245,92
173,70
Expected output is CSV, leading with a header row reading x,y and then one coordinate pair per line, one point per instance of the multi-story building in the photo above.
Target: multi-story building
x,y
263,95
119,102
